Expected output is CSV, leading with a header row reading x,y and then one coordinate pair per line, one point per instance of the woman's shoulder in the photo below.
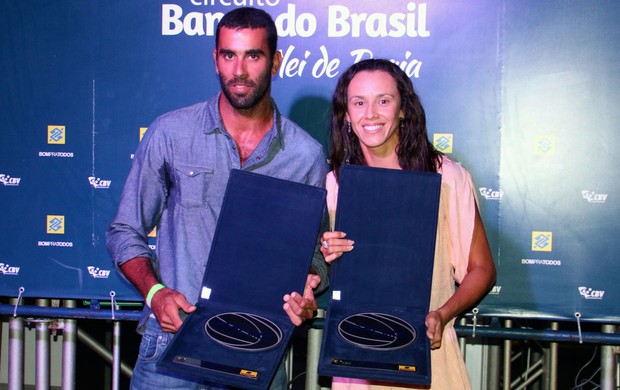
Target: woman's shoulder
x,y
330,177
452,171
331,184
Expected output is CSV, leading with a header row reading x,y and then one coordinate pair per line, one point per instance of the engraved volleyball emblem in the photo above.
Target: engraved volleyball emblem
x,y
244,331
377,331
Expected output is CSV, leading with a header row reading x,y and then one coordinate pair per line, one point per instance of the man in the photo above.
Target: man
x,y
178,178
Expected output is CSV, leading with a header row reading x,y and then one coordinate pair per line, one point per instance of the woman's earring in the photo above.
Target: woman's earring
x,y
349,127
402,123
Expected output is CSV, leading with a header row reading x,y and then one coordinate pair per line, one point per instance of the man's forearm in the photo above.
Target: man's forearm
x,y
139,272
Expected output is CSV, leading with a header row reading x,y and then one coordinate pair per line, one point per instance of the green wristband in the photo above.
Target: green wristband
x,y
152,292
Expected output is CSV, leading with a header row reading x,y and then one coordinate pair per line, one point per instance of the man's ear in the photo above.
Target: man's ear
x,y
277,61
217,71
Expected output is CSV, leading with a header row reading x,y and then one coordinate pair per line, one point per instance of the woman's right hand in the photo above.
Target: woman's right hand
x,y
334,244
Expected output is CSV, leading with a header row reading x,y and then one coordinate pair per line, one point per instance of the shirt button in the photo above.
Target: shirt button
x,y
191,173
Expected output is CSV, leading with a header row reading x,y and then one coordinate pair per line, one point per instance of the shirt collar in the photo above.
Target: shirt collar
x,y
217,126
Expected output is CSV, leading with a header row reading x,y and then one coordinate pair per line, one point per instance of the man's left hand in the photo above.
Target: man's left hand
x,y
300,308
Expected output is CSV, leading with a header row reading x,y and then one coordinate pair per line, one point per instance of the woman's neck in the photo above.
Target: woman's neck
x,y
382,161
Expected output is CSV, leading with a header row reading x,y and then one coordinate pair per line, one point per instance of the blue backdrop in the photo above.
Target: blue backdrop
x,y
523,94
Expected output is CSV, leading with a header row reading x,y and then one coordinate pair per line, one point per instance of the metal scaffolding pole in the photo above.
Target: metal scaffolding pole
x,y
69,344
16,351
315,335
507,357
42,354
552,373
116,355
607,362
493,375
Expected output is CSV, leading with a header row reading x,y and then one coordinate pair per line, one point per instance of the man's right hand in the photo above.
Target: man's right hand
x,y
165,304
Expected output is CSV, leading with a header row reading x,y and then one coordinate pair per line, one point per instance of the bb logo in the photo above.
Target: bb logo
x,y
55,224
153,232
443,142
542,241
545,145
142,131
56,135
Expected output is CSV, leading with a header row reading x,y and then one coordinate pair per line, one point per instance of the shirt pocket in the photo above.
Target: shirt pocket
x,y
192,185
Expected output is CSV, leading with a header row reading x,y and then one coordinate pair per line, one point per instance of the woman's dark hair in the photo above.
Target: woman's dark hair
x,y
252,18
414,150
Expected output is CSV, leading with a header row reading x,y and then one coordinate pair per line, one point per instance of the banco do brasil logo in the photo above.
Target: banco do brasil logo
x,y
56,135
542,241
55,224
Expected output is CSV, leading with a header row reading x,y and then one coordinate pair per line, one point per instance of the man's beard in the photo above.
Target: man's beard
x,y
253,97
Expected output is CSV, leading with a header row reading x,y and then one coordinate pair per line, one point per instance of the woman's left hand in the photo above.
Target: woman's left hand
x,y
334,244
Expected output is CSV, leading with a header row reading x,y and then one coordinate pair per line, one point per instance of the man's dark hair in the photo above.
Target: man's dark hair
x,y
253,18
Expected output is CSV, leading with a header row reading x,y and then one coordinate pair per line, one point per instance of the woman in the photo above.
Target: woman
x,y
378,121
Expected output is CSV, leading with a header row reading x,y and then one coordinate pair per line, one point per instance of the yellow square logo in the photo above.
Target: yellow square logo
x,y
545,145
542,241
55,224
142,131
56,134
443,142
153,232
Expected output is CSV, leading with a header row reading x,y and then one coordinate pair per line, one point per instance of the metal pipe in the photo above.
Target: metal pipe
x,y
42,354
532,374
288,364
493,373
16,352
116,355
553,361
543,335
491,332
462,340
74,313
607,361
524,334
315,336
507,358
101,350
69,345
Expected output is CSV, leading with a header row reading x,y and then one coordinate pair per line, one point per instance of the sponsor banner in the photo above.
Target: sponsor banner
x,y
505,97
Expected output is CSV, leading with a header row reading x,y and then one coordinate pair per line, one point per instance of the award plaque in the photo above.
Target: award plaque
x,y
380,291
262,249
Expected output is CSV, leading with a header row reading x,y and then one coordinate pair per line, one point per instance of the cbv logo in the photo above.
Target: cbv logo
x,y
8,180
490,194
6,269
495,290
589,293
96,182
98,273
593,197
